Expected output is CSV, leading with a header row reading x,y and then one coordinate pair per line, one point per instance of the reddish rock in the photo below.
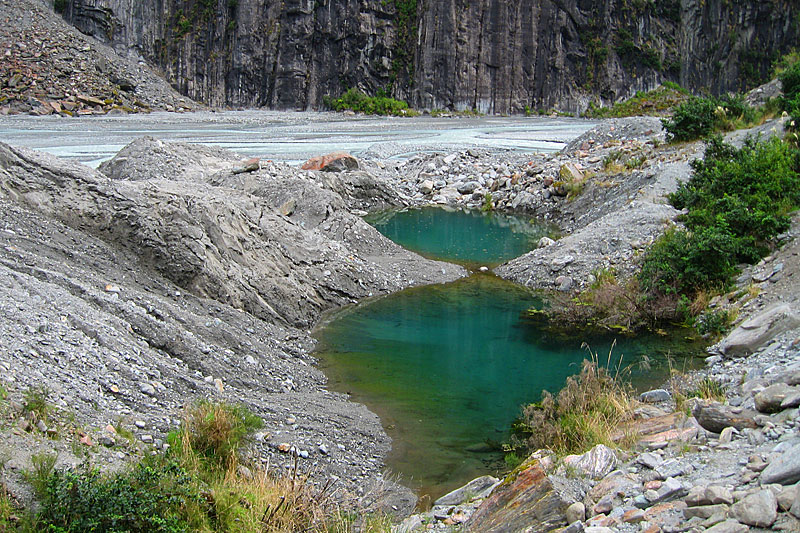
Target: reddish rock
x,y
526,501
633,516
653,485
335,161
666,516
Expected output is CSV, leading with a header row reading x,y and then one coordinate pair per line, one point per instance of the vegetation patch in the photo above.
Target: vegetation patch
x,y
355,100
698,117
651,103
737,200
587,411
200,485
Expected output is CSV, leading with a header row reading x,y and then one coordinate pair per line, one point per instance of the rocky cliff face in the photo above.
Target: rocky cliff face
x,y
495,56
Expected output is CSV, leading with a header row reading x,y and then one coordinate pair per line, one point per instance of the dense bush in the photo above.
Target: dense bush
x,y
699,117
736,201
691,120
790,84
355,100
144,499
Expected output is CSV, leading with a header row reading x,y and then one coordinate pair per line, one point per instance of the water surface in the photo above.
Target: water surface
x,y
469,238
447,367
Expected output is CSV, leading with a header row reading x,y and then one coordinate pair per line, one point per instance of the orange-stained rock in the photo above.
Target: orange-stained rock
x,y
528,501
335,162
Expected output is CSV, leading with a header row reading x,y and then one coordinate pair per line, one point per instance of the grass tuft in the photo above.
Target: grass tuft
x,y
587,411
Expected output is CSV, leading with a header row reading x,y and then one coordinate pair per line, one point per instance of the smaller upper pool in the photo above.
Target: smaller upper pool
x,y
469,238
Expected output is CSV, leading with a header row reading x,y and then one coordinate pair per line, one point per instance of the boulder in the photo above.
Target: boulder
x,y
795,509
426,187
714,417
755,331
728,526
477,488
333,162
770,399
616,484
759,509
468,187
528,500
595,463
545,241
655,396
576,512
785,469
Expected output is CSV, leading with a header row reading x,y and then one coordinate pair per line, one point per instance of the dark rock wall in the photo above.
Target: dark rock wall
x,y
495,56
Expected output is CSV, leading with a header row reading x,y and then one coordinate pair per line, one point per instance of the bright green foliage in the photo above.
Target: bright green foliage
x,y
714,323
681,262
357,101
790,102
144,499
790,83
699,117
737,199
691,120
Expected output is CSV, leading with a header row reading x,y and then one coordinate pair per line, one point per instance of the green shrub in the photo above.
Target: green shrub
x,y
714,323
355,100
59,6
708,389
699,117
691,120
736,201
589,410
681,262
790,83
147,498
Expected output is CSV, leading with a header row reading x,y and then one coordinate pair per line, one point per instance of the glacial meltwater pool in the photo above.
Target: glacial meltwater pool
x,y
447,367
469,238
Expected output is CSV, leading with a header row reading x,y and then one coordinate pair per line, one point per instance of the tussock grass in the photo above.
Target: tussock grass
x,y
589,410
202,484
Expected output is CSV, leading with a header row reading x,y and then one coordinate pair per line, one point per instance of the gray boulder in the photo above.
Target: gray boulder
x,y
728,526
785,469
770,400
759,509
477,488
655,396
468,187
757,330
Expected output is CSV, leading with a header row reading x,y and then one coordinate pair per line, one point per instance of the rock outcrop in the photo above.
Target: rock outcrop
x,y
495,56
224,240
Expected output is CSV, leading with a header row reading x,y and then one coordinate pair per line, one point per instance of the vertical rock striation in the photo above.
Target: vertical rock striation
x,y
495,56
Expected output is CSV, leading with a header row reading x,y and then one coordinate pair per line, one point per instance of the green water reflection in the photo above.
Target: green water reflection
x,y
447,367
470,238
